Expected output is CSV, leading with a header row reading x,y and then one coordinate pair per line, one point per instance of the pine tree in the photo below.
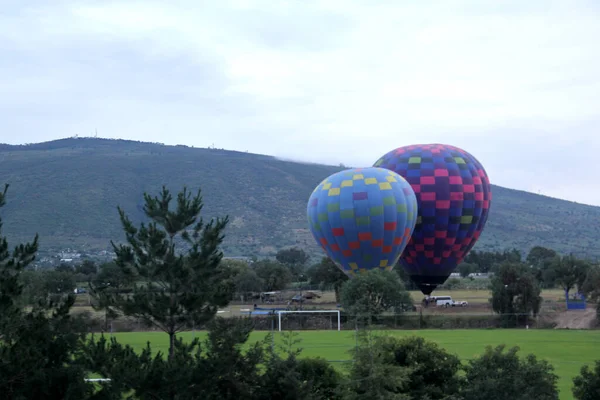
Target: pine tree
x,y
176,262
37,347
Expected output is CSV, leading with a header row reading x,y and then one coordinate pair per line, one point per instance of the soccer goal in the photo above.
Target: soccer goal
x,y
339,325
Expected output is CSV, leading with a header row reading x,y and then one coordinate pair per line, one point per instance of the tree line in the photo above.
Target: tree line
x,y
170,273
544,267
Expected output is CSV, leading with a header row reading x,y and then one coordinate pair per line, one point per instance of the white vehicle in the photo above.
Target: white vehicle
x,y
459,303
444,301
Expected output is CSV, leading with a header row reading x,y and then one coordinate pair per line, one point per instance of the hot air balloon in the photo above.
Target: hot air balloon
x,y
453,196
363,218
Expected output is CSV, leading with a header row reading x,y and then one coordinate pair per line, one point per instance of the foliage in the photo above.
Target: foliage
x,y
274,274
465,284
86,268
415,369
33,287
464,269
45,284
541,261
374,374
224,366
515,291
245,279
177,260
488,261
38,346
433,372
371,294
586,386
591,287
214,369
177,288
113,277
499,375
295,258
327,273
539,254
282,379
569,271
467,344
247,282
453,283
59,282
325,379
404,277
109,279
67,190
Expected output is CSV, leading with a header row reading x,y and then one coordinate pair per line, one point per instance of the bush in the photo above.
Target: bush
x,y
325,380
586,386
503,375
403,368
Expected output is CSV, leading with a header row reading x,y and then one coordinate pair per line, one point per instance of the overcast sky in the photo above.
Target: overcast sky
x,y
516,83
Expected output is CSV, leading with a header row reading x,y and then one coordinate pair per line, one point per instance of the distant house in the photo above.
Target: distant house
x,y
481,275
239,258
68,256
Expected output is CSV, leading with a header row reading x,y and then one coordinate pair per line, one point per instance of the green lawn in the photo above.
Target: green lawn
x,y
567,350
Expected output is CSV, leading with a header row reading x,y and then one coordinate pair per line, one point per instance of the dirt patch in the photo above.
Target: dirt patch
x,y
576,319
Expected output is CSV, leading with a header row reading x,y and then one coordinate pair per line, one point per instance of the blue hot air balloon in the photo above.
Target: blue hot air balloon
x,y
454,197
363,218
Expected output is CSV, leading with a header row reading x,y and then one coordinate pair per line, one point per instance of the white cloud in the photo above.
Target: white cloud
x,y
515,83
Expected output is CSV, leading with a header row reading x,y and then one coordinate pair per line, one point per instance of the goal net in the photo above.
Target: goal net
x,y
309,319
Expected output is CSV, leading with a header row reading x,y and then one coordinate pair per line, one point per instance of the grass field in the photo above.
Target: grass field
x,y
567,350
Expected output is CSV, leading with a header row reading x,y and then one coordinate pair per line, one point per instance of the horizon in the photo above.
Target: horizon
x,y
268,155
513,83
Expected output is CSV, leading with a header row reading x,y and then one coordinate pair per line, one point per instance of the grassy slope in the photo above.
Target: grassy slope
x,y
567,350
68,190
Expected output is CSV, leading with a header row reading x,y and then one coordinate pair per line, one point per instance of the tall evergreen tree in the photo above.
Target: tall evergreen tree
x,y
175,259
37,346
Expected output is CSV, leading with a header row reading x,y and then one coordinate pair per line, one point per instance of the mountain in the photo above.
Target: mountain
x,y
68,191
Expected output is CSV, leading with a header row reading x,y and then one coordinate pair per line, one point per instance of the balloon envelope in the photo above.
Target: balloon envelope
x,y
453,195
363,218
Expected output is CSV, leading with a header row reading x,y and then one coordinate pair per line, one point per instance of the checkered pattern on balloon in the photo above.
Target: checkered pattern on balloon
x,y
363,218
453,194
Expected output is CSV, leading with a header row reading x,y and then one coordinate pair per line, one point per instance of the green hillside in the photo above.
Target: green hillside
x,y
68,190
